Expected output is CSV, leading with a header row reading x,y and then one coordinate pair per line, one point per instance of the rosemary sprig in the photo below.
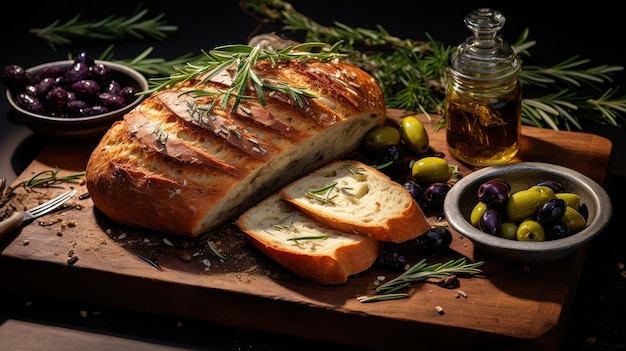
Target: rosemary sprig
x,y
412,73
150,66
356,172
286,222
419,272
243,59
50,177
42,179
322,194
111,27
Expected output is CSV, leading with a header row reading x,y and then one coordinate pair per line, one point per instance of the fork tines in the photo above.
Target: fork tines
x,y
51,204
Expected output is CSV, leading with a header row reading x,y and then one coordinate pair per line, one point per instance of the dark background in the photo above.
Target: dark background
x,y
593,30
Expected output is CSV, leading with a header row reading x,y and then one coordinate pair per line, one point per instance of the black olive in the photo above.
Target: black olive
x,y
392,158
490,222
551,210
111,100
84,57
93,110
85,88
14,77
392,259
557,187
434,241
435,194
77,72
30,103
556,230
494,192
56,98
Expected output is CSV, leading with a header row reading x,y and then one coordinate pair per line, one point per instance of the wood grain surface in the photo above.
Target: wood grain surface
x,y
79,254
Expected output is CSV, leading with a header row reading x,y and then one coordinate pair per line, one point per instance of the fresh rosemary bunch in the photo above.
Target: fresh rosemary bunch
x,y
111,27
244,58
412,73
420,272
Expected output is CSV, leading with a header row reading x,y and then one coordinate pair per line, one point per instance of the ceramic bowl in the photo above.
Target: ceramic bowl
x,y
462,198
80,128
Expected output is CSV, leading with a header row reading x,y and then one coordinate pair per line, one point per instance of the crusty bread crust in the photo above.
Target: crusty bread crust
x,y
363,200
171,166
328,257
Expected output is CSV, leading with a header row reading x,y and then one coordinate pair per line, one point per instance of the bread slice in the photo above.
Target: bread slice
x,y
177,166
304,246
352,197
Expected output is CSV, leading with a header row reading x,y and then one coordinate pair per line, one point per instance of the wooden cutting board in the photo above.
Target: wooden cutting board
x,y
79,254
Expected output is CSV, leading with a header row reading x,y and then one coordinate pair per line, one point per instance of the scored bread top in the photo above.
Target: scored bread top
x,y
353,197
306,247
174,165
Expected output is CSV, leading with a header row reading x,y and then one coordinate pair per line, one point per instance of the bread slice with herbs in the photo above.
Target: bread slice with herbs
x,y
353,197
304,246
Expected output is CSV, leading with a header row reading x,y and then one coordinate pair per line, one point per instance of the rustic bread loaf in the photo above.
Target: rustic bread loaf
x,y
352,197
175,165
322,255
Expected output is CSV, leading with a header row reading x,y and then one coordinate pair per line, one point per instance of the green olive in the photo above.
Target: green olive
x,y
546,193
431,169
525,203
530,230
414,135
574,221
508,230
478,211
572,200
380,137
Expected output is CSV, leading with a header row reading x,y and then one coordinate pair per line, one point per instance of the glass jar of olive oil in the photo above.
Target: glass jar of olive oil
x,y
483,95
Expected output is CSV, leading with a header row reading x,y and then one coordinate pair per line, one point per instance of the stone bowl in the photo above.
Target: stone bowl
x,y
79,127
462,198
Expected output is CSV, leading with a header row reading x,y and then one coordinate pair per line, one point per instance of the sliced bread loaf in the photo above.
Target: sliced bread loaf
x,y
352,197
304,246
183,163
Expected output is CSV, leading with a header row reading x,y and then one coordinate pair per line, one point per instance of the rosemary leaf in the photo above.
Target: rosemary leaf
x,y
215,251
317,237
384,297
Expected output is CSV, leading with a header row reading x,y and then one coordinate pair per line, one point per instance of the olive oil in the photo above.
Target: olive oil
x,y
483,130
483,95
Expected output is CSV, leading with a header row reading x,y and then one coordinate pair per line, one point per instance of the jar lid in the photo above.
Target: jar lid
x,y
484,56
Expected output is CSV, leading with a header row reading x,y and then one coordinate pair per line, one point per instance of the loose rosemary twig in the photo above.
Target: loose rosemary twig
x,y
42,179
109,28
412,73
419,272
48,178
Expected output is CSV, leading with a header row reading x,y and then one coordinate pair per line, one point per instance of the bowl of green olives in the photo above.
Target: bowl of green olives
x,y
528,212
75,99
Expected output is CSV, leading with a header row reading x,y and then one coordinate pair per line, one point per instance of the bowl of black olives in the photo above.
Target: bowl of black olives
x,y
528,212
75,99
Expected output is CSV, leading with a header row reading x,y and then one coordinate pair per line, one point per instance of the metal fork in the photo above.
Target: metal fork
x,y
18,218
